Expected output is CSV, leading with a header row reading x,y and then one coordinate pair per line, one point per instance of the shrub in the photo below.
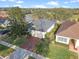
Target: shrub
x,y
30,57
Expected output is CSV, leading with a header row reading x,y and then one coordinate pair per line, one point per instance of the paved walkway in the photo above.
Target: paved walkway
x,y
20,53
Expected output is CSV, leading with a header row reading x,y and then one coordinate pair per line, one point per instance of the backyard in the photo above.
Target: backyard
x,y
5,51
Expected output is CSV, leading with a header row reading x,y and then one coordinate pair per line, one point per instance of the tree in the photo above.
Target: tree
x,y
61,14
75,18
18,27
40,14
43,46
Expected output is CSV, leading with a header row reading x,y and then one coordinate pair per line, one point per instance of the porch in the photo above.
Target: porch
x,y
73,45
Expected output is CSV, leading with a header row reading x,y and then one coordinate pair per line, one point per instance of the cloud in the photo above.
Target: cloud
x,y
19,1
65,6
6,5
8,0
39,6
11,0
76,0
3,0
53,3
17,5
66,2
71,1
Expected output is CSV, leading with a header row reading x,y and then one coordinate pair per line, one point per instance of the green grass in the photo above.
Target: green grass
x,y
51,34
60,52
5,51
15,41
19,41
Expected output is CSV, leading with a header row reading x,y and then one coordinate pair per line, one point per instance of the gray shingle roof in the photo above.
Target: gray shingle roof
x,y
41,24
2,21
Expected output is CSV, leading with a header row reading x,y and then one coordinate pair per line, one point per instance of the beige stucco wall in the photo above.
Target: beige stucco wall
x,y
77,43
40,34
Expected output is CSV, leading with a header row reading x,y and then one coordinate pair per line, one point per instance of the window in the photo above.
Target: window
x,y
62,39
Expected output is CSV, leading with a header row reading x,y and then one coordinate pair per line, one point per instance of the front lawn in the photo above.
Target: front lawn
x,y
5,51
60,52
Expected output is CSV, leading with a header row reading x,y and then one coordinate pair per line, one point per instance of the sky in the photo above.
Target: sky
x,y
40,3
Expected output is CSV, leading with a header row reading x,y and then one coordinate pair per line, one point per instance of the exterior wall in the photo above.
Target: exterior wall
x,y
67,39
77,43
38,34
51,28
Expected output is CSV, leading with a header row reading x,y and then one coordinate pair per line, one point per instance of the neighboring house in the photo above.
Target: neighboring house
x,y
41,26
3,22
3,19
68,33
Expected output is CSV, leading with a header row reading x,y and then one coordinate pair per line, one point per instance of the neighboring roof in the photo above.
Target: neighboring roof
x,y
69,29
2,21
3,14
41,24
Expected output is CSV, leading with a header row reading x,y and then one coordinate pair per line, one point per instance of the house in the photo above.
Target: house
x,y
3,19
3,22
68,33
41,26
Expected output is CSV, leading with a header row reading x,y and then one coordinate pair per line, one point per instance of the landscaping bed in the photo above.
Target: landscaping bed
x,y
5,51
